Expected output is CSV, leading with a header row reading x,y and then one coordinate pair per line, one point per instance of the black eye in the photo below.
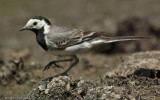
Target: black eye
x,y
35,23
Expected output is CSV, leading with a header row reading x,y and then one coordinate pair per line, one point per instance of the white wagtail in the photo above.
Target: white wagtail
x,y
62,41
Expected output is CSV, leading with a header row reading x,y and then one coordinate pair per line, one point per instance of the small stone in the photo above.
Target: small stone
x,y
68,87
41,87
46,91
32,63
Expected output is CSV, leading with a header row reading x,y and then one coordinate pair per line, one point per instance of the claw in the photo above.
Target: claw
x,y
48,79
58,66
50,64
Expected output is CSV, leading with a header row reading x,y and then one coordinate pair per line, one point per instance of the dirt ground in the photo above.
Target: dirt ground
x,y
108,66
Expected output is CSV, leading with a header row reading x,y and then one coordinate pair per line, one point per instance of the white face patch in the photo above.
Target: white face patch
x,y
39,24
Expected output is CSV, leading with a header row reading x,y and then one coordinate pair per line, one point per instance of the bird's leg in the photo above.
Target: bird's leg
x,y
55,63
70,67
67,70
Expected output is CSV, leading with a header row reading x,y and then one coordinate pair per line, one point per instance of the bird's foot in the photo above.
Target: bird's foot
x,y
49,65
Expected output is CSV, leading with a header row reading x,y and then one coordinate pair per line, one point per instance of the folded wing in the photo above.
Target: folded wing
x,y
77,37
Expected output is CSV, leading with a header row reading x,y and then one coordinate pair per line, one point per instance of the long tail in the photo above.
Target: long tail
x,y
123,38
89,35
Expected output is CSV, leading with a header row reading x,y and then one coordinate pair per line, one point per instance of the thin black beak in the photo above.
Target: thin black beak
x,y
22,29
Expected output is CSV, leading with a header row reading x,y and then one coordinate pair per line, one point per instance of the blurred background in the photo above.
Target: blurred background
x,y
22,59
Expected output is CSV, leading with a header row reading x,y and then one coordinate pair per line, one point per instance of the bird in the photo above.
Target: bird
x,y
62,41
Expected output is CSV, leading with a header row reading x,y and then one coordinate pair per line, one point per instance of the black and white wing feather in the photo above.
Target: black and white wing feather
x,y
62,39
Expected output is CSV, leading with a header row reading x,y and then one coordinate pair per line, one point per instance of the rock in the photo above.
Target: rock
x,y
10,68
146,64
114,88
62,87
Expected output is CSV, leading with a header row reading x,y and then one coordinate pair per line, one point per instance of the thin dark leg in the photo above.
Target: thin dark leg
x,y
55,63
67,70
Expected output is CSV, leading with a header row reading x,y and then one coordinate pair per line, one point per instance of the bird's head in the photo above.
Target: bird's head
x,y
37,23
